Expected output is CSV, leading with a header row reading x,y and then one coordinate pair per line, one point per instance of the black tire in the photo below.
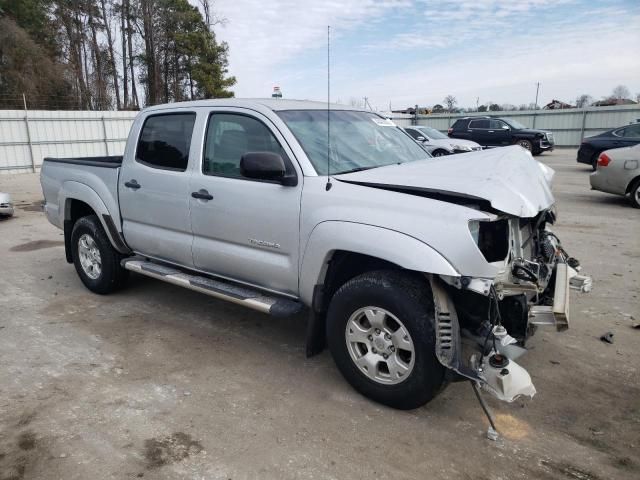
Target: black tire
x,y
112,276
634,194
408,296
524,143
440,153
594,161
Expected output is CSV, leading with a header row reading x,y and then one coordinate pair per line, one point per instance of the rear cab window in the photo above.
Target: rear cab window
x,y
165,140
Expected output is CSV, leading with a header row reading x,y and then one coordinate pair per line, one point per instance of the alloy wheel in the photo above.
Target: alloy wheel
x,y
380,345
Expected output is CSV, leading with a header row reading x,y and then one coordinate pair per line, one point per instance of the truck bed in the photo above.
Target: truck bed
x,y
93,180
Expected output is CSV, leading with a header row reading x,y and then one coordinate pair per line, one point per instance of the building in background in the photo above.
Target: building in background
x,y
557,105
276,93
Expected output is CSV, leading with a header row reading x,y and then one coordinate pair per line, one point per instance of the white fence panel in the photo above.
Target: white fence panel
x,y
27,137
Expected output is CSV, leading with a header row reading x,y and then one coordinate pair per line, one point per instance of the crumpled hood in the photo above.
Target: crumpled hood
x,y
509,178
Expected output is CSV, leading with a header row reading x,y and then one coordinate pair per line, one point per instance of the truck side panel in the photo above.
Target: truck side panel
x,y
93,185
389,245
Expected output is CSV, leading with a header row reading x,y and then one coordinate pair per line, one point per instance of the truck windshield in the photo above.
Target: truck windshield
x,y
359,140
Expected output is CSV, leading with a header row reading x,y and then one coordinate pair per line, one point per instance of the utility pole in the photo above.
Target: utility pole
x,y
477,103
537,90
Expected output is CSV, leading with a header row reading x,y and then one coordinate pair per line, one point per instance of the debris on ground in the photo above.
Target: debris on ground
x,y
607,337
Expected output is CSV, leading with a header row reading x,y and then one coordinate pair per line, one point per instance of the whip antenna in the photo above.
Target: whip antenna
x,y
328,186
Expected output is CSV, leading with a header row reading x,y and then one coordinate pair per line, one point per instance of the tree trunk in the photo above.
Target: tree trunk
x,y
112,58
153,72
134,93
123,34
98,70
75,54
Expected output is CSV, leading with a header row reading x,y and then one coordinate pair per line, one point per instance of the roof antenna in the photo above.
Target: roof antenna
x,y
329,185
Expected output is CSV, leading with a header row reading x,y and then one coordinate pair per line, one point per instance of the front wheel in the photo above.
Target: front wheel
x,y
95,259
526,144
440,153
380,330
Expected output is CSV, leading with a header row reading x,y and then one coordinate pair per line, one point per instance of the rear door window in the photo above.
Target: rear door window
x,y
479,124
165,141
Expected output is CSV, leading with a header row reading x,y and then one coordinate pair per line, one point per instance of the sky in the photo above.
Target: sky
x,y
407,52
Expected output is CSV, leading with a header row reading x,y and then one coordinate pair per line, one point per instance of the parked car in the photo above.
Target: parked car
x,y
6,205
591,147
395,255
618,172
498,132
432,150
442,145
436,150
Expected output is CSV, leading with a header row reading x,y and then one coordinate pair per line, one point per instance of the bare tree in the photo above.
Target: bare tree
x,y
620,92
450,101
584,100
134,92
210,18
112,58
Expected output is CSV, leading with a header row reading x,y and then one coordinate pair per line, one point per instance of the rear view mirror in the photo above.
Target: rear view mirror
x,y
265,166
505,127
421,139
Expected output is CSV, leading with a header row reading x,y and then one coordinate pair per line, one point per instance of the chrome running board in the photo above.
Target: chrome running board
x,y
224,290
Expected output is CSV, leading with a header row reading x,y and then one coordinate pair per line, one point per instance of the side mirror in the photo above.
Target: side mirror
x,y
266,166
421,139
505,127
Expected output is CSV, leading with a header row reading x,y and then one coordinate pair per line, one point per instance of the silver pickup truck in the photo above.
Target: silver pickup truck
x,y
416,271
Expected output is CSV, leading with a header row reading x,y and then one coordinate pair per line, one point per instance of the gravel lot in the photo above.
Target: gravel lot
x,y
158,382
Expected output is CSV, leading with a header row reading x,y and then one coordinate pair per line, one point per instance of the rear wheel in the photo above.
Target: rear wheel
x,y
380,332
635,194
96,261
594,161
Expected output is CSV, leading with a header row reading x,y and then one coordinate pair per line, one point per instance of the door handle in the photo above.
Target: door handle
x,y
132,184
492,131
202,194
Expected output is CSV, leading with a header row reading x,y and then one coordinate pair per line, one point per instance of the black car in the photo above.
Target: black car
x,y
592,147
497,132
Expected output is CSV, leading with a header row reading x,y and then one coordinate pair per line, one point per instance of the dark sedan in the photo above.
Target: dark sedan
x,y
592,147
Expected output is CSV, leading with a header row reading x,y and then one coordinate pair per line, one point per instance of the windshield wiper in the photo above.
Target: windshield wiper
x,y
357,169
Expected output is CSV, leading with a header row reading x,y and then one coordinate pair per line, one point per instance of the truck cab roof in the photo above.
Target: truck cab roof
x,y
274,104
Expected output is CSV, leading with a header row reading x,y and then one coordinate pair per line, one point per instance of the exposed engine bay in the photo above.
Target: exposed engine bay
x,y
495,317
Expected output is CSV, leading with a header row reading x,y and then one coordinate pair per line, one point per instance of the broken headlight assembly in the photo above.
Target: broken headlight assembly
x,y
491,237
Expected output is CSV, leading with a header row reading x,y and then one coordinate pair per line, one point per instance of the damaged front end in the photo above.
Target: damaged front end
x,y
482,324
